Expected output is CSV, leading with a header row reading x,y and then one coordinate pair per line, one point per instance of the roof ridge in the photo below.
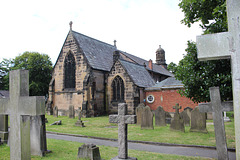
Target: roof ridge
x,y
93,38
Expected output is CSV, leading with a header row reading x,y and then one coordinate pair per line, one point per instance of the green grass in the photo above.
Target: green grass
x,y
65,150
99,127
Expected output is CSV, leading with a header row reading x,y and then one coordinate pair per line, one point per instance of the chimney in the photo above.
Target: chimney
x,y
150,64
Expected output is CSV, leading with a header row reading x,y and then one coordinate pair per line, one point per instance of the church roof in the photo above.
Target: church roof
x,y
169,83
138,74
100,54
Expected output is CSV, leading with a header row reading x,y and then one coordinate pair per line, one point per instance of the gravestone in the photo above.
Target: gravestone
x,y
177,123
227,45
71,112
168,118
89,151
55,111
225,117
122,119
139,111
185,117
160,117
198,121
79,122
147,118
188,110
38,135
4,128
19,107
217,107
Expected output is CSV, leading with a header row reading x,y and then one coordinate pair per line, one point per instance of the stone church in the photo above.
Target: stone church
x,y
94,76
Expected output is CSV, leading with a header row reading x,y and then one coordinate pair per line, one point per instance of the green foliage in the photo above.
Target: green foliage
x,y
211,13
5,67
172,67
39,66
198,76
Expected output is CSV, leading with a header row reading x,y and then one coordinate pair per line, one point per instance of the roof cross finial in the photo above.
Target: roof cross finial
x,y
115,45
70,25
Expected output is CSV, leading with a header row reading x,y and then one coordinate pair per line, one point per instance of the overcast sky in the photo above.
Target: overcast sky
x,y
139,26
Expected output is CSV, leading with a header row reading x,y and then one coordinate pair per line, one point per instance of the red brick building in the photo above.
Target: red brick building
x,y
165,94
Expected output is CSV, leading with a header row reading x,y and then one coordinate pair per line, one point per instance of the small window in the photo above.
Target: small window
x,y
150,98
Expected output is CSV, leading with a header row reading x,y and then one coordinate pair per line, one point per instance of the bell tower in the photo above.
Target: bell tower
x,y
160,57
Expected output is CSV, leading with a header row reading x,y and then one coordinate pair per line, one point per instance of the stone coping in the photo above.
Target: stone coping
x,y
143,142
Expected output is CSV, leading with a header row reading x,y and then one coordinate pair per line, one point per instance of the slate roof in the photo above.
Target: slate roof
x,y
169,83
4,94
138,74
100,54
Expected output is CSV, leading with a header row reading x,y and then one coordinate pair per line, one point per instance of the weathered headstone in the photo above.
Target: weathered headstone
x,y
160,117
177,123
188,110
217,107
79,121
226,45
122,119
168,118
4,128
198,121
147,118
38,135
71,111
20,107
185,117
55,111
139,111
89,151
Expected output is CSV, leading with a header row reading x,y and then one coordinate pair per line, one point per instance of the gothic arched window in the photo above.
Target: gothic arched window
x,y
118,89
69,71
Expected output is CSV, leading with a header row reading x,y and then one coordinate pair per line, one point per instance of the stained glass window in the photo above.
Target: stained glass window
x,y
118,89
69,71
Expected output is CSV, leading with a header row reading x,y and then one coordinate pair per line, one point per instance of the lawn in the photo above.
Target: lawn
x,y
65,150
100,127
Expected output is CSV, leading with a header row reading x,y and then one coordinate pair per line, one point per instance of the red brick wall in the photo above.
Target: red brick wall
x,y
167,99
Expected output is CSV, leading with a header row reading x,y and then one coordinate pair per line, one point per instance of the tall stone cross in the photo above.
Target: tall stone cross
x,y
177,107
227,45
217,107
19,106
122,119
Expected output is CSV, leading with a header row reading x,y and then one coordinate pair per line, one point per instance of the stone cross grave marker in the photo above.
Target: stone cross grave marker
x,y
222,46
217,107
177,122
20,107
122,119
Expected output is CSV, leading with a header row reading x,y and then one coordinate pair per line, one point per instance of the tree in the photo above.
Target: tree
x,y
40,68
198,76
172,67
211,14
5,67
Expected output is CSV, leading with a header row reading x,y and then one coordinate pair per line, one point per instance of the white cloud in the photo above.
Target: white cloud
x,y
139,26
